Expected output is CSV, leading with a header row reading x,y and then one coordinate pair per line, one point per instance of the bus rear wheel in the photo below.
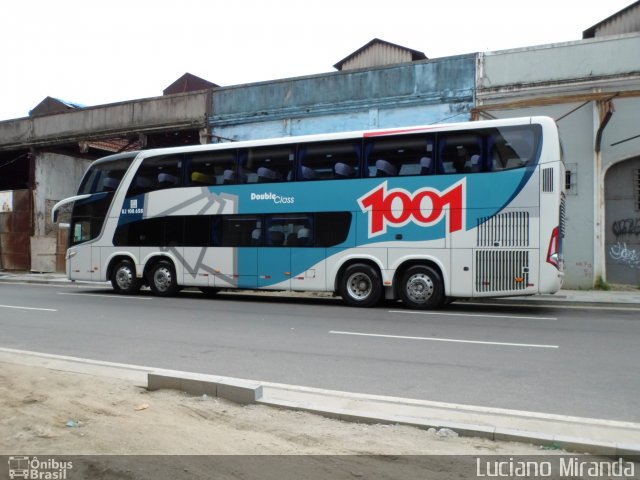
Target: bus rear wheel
x,y
162,279
123,278
421,288
361,286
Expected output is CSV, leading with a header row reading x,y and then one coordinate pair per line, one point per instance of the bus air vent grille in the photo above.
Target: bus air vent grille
x,y
547,180
508,229
502,270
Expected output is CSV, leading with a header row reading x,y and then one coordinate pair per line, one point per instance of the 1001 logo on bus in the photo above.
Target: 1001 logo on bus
x,y
425,207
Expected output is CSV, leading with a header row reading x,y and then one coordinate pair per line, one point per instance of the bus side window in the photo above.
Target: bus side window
x,y
156,173
457,150
513,147
399,155
237,231
208,168
290,230
329,160
267,164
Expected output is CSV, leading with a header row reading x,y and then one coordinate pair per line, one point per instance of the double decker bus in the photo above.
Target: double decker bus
x,y
424,214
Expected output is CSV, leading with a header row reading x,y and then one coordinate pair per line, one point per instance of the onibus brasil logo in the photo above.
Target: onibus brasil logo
x,y
38,469
425,207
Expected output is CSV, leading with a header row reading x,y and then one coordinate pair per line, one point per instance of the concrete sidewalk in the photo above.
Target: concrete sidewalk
x,y
550,431
620,296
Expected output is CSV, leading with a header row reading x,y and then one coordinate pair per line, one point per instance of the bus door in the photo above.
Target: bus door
x,y
289,257
236,259
274,268
274,256
79,262
84,259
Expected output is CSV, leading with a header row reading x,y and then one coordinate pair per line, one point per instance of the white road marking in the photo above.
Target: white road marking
x,y
519,317
131,297
453,340
29,308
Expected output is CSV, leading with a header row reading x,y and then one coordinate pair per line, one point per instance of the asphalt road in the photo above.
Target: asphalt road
x,y
571,361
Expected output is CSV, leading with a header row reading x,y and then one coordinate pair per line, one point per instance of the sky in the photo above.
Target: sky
x,y
93,53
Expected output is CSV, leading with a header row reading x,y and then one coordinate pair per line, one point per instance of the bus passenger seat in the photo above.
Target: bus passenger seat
x,y
308,173
425,165
204,179
167,180
514,163
476,165
229,177
143,182
256,235
292,239
266,175
276,238
110,184
385,169
343,170
304,236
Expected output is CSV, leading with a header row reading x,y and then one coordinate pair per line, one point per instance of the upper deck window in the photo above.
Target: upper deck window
x,y
104,177
400,155
329,160
513,147
266,164
156,173
211,168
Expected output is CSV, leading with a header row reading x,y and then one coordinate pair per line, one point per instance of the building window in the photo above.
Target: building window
x,y
571,179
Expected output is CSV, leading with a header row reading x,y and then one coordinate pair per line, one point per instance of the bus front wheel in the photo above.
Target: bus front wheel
x,y
361,286
123,278
162,279
421,288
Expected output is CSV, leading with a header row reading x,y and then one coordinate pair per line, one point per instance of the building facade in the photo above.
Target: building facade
x,y
591,87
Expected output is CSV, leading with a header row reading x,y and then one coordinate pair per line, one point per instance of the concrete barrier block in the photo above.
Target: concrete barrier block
x,y
239,392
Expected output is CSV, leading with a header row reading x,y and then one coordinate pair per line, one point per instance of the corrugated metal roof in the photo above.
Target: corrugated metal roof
x,y
414,54
188,83
626,20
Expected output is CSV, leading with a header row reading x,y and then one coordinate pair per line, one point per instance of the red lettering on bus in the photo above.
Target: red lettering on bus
x,y
425,207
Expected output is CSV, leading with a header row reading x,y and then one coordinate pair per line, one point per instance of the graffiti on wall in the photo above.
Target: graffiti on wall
x,y
620,253
626,226
587,269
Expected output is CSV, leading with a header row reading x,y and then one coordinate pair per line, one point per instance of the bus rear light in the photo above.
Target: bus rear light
x,y
553,254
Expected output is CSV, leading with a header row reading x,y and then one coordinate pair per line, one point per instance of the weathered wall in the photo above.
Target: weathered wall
x,y
572,82
56,177
422,92
622,223
175,111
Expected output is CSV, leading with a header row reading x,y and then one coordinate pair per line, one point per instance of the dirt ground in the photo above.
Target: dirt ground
x,y
49,412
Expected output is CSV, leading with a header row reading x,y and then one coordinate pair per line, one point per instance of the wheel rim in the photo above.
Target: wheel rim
x,y
162,279
419,287
124,278
359,286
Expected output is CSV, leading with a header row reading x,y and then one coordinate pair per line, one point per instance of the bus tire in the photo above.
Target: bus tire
x,y
162,279
361,286
123,278
421,288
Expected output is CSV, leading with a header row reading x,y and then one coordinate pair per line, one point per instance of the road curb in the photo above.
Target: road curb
x,y
250,392
362,408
